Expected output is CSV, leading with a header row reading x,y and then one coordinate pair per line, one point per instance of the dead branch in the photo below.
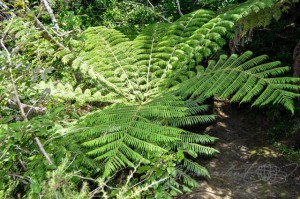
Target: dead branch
x,y
36,138
178,8
296,58
163,17
29,109
50,11
45,33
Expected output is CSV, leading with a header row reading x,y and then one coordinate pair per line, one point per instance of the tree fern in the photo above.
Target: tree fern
x,y
136,72
244,80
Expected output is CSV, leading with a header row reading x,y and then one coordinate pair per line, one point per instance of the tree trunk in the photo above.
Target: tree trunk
x,y
296,58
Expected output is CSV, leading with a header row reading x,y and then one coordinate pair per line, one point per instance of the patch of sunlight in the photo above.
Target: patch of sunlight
x,y
221,124
217,193
265,151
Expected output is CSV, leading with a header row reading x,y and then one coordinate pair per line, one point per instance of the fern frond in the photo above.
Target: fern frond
x,y
137,72
214,34
244,80
188,180
194,167
123,134
197,148
67,92
107,59
193,137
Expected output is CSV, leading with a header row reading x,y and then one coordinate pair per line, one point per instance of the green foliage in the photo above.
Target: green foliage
x,y
244,80
67,93
123,134
135,69
20,154
60,184
289,153
135,72
216,4
144,122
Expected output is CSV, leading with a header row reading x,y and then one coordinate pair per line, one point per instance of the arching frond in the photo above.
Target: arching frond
x,y
245,80
137,72
80,96
123,134
213,35
108,60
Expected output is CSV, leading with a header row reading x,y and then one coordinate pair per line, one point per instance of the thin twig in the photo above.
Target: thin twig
x,y
140,182
22,163
137,192
163,17
25,180
2,44
130,176
36,138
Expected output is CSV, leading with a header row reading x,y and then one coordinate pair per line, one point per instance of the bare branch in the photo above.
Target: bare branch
x,y
46,35
29,109
50,11
178,8
2,44
147,187
15,90
36,138
163,17
3,5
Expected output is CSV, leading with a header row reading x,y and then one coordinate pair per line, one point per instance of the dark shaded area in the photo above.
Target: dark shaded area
x,y
279,39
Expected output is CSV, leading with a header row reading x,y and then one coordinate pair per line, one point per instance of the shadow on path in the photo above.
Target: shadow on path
x,y
247,166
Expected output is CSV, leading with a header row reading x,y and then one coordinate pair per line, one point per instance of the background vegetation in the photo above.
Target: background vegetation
x,y
99,98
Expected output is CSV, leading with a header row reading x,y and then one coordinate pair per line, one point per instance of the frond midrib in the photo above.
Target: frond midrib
x,y
118,62
174,49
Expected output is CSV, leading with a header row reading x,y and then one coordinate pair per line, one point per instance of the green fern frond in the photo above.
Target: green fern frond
x,y
123,134
187,179
195,148
244,80
136,72
193,137
194,167
108,60
213,35
67,92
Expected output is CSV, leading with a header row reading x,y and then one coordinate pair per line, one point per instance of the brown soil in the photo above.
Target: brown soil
x,y
248,166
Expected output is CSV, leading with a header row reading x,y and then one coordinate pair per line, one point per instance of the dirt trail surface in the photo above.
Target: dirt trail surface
x,y
247,166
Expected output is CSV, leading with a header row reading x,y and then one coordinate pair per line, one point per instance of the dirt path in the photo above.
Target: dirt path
x,y
248,166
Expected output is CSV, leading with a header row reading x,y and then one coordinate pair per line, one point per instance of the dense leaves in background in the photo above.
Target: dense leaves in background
x,y
104,105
